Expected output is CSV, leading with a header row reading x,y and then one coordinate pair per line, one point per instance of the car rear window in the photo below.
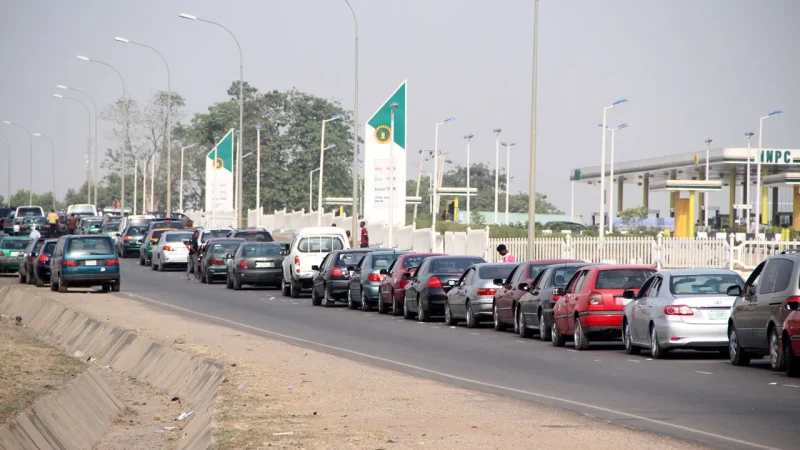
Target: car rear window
x,y
174,224
94,223
28,212
622,278
534,270
349,259
211,234
495,272
414,261
319,244
261,251
157,234
111,226
224,247
14,244
562,275
49,248
383,261
137,230
38,219
706,284
90,246
254,236
453,265
178,237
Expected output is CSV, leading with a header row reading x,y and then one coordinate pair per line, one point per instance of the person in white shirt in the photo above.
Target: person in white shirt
x,y
35,233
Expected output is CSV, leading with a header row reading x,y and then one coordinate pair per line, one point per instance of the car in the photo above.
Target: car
x,y
146,247
73,219
515,286
171,250
285,247
251,234
11,250
214,263
141,220
130,239
791,338
426,292
309,247
83,208
591,306
29,223
109,218
366,278
473,295
26,211
39,268
28,260
756,323
89,225
174,224
257,264
206,234
8,222
332,278
5,210
679,309
393,286
84,261
534,310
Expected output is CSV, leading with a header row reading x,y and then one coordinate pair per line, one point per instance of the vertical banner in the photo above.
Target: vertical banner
x,y
378,136
219,175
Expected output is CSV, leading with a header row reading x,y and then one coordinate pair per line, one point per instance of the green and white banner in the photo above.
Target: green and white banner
x,y
378,185
219,175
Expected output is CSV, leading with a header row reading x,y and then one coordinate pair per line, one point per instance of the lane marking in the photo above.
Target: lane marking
x,y
464,379
634,360
475,334
704,373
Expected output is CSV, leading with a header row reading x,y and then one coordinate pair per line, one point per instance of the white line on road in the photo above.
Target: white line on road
x,y
792,385
475,334
464,379
634,360
704,373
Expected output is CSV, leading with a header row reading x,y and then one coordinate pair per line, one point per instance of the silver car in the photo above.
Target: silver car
x,y
679,309
471,297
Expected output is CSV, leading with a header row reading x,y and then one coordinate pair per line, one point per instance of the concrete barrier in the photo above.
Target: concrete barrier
x,y
195,380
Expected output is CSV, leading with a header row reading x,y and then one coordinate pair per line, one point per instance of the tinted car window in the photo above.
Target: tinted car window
x,y
113,226
37,246
382,261
174,224
211,234
157,234
253,236
562,275
49,248
224,247
534,270
319,244
137,230
29,212
15,244
622,278
768,276
716,284
454,265
494,272
261,251
90,246
785,269
178,237
349,259
413,261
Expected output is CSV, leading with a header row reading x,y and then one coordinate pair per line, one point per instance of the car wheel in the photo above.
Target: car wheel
x,y
448,316
294,289
327,300
422,315
123,254
209,278
544,331
396,309
161,267
115,286
285,287
21,277
790,360
581,340
736,353
141,260
315,300
381,306
350,303
364,303
62,286
153,265
228,283
53,283
237,282
498,326
656,351
28,277
408,315
556,338
37,281
522,327
470,316
775,351
106,287
630,349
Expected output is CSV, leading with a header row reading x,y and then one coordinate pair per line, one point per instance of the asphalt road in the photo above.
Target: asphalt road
x,y
693,396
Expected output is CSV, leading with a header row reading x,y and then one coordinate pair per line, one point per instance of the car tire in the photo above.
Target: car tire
x,y
28,277
396,311
736,353
20,277
775,351
161,267
656,350
141,260
228,283
627,340
38,281
364,303
791,361
209,278
106,287
123,254
294,289
522,327
498,326
62,287
115,286
422,315
556,338
53,284
327,300
580,338
350,303
237,282
315,300
544,329
408,315
153,265
448,316
381,306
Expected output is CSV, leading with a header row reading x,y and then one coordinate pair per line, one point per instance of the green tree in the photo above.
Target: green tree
x,y
634,214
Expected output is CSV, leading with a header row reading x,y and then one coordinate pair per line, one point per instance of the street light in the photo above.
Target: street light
x,y
611,176
746,192
95,171
496,132
258,176
53,156
169,124
88,116
310,184
322,149
393,108
468,138
758,166
434,200
127,127
508,174
532,166
241,112
8,144
705,196
181,185
30,142
603,169
355,126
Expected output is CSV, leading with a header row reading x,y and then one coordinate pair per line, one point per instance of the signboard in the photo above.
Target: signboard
x,y
219,175
377,162
776,156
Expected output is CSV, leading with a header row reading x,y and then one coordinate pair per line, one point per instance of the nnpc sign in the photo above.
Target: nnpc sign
x,y
776,157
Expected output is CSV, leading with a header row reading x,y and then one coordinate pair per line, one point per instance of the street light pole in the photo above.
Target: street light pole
x,y
705,197
88,116
435,183
53,164
611,213
603,169
8,144
310,189
355,127
469,211
181,184
322,149
135,175
532,167
153,181
30,142
758,167
496,132
258,176
391,177
95,171
508,174
746,198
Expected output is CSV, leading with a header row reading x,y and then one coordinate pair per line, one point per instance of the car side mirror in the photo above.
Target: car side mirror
x,y
523,286
629,294
558,291
383,272
734,291
315,267
498,281
407,276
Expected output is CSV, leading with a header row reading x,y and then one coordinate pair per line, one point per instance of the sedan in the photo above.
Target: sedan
x,y
535,309
366,279
393,286
30,223
215,260
146,248
11,249
332,278
255,263
679,309
472,297
171,250
426,293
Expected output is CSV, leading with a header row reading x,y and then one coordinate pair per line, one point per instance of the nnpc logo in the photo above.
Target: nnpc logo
x,y
383,134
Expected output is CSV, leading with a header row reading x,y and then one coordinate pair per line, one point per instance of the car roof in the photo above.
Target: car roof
x,y
497,264
555,261
624,266
174,231
679,272
162,229
258,243
250,229
226,239
16,238
391,252
436,258
354,250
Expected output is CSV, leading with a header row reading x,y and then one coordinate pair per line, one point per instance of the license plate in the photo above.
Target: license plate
x,y
16,253
262,265
717,315
16,228
90,263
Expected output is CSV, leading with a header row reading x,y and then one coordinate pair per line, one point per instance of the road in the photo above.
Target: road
x,y
693,396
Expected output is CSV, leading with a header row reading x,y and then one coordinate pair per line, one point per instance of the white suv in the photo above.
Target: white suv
x,y
309,247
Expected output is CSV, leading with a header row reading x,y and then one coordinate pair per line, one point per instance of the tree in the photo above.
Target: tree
x,y
634,214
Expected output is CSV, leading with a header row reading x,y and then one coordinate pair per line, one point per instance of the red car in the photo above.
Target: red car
x,y
791,338
393,286
517,284
592,305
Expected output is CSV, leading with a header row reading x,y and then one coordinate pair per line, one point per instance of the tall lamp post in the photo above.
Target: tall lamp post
x,y
468,138
258,176
393,108
30,142
603,169
434,200
169,121
88,116
496,132
758,166
508,173
611,213
705,197
8,144
180,189
322,149
53,164
532,166
95,171
310,189
135,176
746,192
355,125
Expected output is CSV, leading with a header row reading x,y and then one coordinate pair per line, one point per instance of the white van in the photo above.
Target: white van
x,y
309,247
82,208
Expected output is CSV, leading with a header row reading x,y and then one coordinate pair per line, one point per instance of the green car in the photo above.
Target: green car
x,y
11,250
110,229
93,226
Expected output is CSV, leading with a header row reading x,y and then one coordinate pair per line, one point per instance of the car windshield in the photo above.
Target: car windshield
x,y
413,261
703,284
495,272
48,249
562,274
453,265
90,246
622,278
138,230
14,244
254,236
114,226
211,234
349,259
29,212
263,251
319,244
178,237
224,247
383,261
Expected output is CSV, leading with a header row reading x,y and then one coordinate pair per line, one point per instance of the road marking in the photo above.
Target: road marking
x,y
792,385
521,342
704,373
475,334
634,360
464,379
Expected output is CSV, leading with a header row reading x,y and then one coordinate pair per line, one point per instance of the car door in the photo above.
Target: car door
x,y
575,295
414,287
766,304
744,306
640,316
529,304
355,277
503,300
561,309
318,285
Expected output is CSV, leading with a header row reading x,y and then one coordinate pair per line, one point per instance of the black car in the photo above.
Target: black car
x,y
28,261
130,239
365,281
332,280
426,292
255,263
252,234
536,307
39,268
214,263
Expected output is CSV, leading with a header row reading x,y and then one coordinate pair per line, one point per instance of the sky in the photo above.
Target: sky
x,y
690,70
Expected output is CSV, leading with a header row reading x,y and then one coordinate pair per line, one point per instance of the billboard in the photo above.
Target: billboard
x,y
219,175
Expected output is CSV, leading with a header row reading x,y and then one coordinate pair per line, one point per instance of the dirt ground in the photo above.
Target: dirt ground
x,y
276,395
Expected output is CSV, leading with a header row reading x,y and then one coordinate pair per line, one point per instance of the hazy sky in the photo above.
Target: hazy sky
x,y
691,70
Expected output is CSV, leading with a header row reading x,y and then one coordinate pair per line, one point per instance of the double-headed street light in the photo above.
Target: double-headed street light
x,y
496,132
603,169
435,199
508,174
758,166
53,156
322,149
95,171
8,144
181,184
611,213
89,138
30,142
468,138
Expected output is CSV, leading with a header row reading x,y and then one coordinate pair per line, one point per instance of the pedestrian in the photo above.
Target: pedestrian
x,y
193,254
35,233
364,235
507,256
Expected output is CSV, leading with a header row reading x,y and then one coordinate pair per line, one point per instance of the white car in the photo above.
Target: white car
x,y
82,208
309,247
170,250
206,234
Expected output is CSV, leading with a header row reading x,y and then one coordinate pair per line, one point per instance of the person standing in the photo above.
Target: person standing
x,y
507,256
193,255
364,235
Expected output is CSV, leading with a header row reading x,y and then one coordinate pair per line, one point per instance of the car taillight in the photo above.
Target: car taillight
x,y
434,282
4,253
297,260
486,291
112,262
217,261
128,238
69,263
375,276
336,272
595,298
678,310
793,299
43,258
169,248
243,264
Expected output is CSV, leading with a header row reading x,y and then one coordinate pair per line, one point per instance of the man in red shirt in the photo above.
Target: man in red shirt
x,y
364,235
